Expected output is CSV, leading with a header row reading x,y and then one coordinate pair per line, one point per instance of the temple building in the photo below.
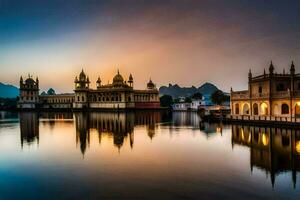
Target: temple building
x,y
269,96
117,95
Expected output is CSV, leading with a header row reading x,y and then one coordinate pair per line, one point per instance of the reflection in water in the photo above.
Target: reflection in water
x,y
180,154
29,125
273,150
116,125
193,120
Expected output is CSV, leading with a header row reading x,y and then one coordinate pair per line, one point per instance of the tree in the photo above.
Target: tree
x,y
197,95
166,101
218,97
188,100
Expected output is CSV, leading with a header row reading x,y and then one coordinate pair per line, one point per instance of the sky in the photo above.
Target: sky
x,y
186,42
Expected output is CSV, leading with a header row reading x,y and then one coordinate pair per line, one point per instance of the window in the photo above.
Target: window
x,y
284,109
255,109
237,109
82,98
78,99
260,90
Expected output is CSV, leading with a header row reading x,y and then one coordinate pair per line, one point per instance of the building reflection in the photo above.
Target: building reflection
x,y
273,150
193,120
29,128
118,126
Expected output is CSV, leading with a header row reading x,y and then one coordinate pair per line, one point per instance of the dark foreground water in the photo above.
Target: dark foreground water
x,y
143,155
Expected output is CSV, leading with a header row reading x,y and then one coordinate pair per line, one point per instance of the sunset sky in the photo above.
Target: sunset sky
x,y
187,42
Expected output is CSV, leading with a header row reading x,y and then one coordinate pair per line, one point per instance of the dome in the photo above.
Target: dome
x,y
82,76
150,85
30,81
118,79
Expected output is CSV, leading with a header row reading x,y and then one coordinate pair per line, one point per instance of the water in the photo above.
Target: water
x,y
143,155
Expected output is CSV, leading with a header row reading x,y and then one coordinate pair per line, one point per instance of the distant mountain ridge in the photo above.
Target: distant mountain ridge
x,y
176,91
8,91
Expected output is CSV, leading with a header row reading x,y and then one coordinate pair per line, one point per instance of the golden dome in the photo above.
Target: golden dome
x,y
150,84
118,79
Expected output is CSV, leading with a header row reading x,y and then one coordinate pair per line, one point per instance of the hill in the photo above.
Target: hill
x,y
176,91
8,91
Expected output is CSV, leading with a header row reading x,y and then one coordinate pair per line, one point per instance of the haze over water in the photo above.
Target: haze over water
x,y
143,155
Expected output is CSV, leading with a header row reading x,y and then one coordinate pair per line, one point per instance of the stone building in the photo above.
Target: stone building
x,y
29,93
117,95
269,95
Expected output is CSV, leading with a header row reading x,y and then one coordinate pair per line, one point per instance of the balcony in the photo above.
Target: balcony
x,y
281,94
260,95
240,95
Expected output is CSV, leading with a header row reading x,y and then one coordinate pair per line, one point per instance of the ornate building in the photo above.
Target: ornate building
x,y
117,95
269,95
29,93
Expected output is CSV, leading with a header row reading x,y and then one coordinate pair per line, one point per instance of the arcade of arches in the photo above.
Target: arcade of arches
x,y
263,109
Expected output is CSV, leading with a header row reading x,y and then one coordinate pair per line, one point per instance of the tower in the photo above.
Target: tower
x,y
98,83
29,93
82,85
130,80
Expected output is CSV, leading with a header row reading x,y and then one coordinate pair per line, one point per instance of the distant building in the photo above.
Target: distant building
x,y
269,95
182,105
118,95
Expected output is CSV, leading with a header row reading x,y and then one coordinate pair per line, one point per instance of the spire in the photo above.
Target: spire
x,y
292,70
250,74
271,68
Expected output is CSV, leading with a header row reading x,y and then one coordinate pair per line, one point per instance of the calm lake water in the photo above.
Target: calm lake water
x,y
144,155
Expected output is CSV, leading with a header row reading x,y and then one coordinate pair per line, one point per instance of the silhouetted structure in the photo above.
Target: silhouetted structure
x,y
271,149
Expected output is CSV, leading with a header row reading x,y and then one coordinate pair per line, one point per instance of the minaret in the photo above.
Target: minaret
x,y
250,75
271,73
271,68
130,80
98,83
21,82
292,74
249,89
37,81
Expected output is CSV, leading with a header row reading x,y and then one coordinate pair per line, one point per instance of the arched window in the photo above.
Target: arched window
x,y
82,98
129,99
284,109
255,109
237,109
246,109
260,90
